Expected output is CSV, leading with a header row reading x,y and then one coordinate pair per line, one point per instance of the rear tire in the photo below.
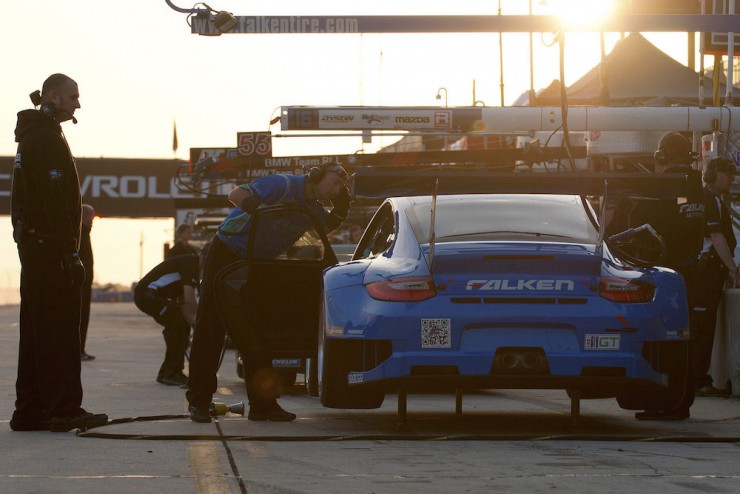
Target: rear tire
x,y
336,359
339,358
673,360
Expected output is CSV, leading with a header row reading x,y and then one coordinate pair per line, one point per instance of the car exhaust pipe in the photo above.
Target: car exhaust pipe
x,y
519,361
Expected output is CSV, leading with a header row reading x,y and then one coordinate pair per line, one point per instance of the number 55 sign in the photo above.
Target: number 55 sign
x,y
254,144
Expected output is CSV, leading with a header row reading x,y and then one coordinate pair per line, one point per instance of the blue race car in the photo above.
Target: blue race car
x,y
451,291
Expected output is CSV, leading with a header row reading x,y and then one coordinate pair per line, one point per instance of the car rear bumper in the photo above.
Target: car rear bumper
x,y
440,383
460,371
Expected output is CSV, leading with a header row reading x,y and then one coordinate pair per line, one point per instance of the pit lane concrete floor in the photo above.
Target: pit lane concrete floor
x,y
519,441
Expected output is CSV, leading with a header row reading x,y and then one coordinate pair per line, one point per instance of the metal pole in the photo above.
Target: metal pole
x,y
141,254
501,59
531,61
603,73
730,58
701,59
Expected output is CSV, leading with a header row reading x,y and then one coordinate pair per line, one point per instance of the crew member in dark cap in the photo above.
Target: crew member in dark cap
x,y
680,223
46,216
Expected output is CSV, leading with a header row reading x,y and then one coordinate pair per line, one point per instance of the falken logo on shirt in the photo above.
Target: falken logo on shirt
x,y
521,285
56,175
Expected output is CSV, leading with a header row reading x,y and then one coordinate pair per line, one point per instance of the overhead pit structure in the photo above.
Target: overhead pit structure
x,y
481,120
206,25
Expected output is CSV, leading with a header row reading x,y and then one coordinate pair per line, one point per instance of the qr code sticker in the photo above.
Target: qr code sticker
x,y
435,333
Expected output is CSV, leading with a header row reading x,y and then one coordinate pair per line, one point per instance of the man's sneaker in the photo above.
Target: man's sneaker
x,y
176,380
200,415
273,414
84,357
83,422
678,414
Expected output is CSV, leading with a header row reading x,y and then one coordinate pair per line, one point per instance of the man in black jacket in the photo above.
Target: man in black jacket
x,y
167,293
46,217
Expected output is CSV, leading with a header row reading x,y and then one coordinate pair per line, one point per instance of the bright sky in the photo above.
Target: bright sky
x,y
139,69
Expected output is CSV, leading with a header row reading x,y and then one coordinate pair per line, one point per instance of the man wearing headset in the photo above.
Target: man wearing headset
x,y
46,216
716,264
324,183
680,223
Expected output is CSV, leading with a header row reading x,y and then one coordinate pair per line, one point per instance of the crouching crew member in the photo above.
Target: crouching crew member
x,y
167,293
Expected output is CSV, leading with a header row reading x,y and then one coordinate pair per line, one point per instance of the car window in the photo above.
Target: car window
x,y
505,217
379,235
287,234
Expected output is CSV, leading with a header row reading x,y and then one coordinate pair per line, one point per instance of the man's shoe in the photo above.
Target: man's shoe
x,y
83,422
200,415
23,425
86,356
176,380
711,391
679,414
275,414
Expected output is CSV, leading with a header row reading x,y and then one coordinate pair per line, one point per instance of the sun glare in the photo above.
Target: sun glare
x,y
582,12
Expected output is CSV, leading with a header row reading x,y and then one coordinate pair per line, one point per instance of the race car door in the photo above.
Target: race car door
x,y
269,302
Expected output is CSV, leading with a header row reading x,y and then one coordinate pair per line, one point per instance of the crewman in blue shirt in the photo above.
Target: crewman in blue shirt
x,y
323,183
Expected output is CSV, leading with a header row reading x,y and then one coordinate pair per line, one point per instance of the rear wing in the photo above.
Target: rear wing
x,y
381,182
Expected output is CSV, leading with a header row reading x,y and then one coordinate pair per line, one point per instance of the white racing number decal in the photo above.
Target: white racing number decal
x,y
355,377
602,342
435,333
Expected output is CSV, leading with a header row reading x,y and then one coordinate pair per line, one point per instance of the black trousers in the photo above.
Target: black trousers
x,y
710,282
176,329
208,340
48,383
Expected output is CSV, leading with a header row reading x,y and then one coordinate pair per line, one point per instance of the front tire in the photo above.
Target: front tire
x,y
311,378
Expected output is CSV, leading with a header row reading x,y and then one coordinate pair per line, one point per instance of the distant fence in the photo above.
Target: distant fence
x,y
12,296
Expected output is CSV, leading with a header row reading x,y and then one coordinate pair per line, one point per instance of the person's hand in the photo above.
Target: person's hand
x,y
341,203
73,269
734,277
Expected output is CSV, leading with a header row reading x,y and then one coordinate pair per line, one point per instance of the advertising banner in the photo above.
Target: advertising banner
x,y
117,187
380,118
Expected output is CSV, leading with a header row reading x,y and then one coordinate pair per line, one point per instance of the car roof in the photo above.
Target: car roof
x,y
404,202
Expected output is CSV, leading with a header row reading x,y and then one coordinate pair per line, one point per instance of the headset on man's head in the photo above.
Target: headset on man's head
x,y
675,147
317,173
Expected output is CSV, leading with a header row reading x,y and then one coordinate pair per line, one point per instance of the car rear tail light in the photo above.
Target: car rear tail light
x,y
402,289
626,291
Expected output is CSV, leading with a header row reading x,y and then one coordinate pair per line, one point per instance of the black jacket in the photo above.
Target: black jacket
x,y
46,190
170,276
